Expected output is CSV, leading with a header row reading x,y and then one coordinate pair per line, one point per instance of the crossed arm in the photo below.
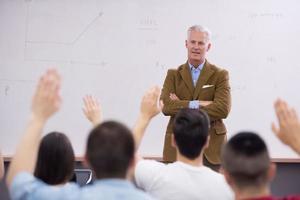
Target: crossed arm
x,y
218,108
288,130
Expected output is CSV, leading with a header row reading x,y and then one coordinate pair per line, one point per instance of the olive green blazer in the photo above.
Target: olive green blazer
x,y
212,85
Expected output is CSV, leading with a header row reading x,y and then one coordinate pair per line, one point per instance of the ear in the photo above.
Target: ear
x,y
208,46
227,177
186,43
271,172
173,142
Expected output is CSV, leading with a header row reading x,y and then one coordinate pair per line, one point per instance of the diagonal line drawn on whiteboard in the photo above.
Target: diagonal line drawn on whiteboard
x,y
47,41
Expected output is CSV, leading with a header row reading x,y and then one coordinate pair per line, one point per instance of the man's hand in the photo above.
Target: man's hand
x,y
92,109
205,103
173,97
289,125
149,108
46,100
149,105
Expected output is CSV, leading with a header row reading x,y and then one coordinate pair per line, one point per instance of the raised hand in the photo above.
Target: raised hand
x,y
46,100
289,125
150,106
92,109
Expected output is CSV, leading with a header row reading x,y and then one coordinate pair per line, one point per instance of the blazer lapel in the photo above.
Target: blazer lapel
x,y
206,72
187,77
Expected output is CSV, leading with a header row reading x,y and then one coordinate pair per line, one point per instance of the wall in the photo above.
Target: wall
x,y
116,50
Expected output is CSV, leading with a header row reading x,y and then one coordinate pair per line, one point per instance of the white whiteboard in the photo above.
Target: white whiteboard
x,y
116,49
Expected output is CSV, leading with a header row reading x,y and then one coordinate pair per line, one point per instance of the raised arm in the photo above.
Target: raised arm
x,y
1,166
92,110
46,101
289,125
149,108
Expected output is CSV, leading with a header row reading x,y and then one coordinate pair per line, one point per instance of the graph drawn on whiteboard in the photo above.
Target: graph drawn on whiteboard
x,y
56,41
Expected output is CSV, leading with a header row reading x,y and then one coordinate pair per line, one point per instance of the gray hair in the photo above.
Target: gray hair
x,y
199,28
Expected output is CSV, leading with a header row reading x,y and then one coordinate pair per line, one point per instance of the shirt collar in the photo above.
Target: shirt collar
x,y
198,68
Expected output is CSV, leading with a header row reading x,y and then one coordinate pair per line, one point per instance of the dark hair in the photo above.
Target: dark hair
x,y
190,130
55,161
110,149
245,157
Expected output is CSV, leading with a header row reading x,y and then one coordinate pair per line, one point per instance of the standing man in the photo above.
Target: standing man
x,y
198,84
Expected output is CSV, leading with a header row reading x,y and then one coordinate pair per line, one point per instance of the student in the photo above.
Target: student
x,y
247,167
187,178
109,152
55,161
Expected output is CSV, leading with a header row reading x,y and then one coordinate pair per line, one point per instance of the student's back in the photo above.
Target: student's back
x,y
25,186
181,181
187,178
110,152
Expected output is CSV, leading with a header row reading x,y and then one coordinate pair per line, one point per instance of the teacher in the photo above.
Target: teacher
x,y
198,84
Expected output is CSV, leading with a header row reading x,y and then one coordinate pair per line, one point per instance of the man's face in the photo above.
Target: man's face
x,y
197,45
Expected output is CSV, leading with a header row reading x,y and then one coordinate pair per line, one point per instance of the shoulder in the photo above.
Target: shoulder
x,y
150,164
217,69
220,179
146,172
174,71
26,185
212,175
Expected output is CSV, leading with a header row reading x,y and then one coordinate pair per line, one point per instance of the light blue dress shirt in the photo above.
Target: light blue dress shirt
x,y
26,187
195,72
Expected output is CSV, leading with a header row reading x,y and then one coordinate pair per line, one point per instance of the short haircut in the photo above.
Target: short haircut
x,y
199,28
190,130
55,161
110,150
245,157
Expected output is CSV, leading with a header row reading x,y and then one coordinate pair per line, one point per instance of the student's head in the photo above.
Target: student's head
x,y
246,162
110,150
55,161
190,130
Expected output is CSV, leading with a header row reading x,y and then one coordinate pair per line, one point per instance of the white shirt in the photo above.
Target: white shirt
x,y
181,181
